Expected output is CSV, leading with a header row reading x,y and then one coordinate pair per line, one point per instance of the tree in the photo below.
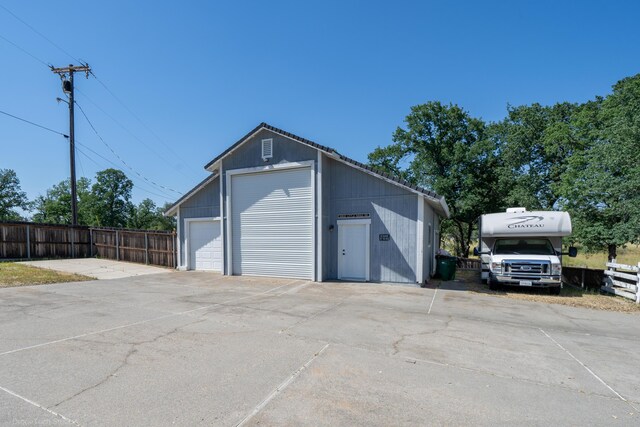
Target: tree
x,y
445,149
602,184
147,216
11,196
111,198
55,206
535,143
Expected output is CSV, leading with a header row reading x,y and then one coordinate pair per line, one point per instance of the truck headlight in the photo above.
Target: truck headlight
x,y
556,269
496,267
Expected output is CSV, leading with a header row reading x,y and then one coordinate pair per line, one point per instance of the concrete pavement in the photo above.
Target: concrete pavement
x,y
101,269
193,348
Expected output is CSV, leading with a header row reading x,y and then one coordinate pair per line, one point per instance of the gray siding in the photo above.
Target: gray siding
x,y
249,155
393,211
285,150
203,204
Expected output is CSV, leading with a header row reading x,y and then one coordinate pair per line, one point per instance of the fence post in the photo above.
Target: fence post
x,y
70,235
28,243
117,246
582,283
638,285
146,248
173,249
91,243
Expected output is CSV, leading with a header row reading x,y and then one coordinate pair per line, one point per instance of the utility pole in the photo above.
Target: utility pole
x,y
66,74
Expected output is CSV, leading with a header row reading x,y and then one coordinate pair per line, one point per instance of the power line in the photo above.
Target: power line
x,y
166,196
40,34
167,161
24,50
162,196
34,124
120,158
138,118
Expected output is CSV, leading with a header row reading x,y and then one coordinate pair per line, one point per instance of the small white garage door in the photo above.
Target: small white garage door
x,y
272,223
205,245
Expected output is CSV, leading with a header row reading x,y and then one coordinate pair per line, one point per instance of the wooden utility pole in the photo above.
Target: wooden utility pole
x,y
66,74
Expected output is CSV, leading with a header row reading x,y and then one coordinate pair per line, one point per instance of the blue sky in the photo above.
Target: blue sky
x,y
199,75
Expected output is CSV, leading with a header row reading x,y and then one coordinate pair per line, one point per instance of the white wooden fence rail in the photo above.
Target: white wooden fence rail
x,y
623,280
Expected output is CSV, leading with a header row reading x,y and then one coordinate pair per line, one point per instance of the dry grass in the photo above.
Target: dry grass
x,y
628,255
12,274
569,296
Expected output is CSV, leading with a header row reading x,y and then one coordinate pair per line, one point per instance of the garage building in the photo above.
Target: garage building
x,y
280,205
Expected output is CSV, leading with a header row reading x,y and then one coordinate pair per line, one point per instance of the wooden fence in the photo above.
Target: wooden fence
x,y
468,264
24,240
585,278
622,280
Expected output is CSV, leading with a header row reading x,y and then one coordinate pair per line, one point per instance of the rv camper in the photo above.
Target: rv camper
x,y
520,248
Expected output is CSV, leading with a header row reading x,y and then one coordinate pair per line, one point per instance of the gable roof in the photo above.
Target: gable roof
x,y
171,210
428,194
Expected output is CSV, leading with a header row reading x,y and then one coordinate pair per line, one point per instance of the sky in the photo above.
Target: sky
x,y
176,83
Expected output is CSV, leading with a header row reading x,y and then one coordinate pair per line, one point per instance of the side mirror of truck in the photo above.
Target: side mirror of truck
x,y
573,251
476,252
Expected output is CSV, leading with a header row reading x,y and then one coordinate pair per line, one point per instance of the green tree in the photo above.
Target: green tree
x,y
11,196
55,206
445,149
111,194
535,143
147,216
601,187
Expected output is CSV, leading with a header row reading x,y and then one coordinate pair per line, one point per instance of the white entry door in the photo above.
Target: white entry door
x,y
353,250
205,245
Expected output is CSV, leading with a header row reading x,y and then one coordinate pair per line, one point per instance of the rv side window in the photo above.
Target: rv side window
x,y
523,246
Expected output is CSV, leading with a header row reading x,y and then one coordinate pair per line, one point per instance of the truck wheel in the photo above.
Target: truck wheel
x,y
555,290
492,284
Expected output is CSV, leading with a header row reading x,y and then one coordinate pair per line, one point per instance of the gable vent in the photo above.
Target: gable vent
x,y
267,149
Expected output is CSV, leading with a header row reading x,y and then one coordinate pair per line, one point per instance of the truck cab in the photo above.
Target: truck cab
x,y
521,248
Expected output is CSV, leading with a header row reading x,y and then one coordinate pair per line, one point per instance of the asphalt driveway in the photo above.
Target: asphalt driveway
x,y
192,348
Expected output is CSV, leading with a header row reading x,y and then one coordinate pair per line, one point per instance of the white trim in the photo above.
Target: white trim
x,y
440,201
420,242
187,223
354,221
190,194
367,223
319,228
259,169
180,265
222,224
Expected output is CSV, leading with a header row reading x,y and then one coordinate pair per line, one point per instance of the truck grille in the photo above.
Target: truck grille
x,y
522,268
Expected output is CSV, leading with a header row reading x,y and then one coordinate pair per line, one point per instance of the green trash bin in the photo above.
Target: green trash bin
x,y
446,267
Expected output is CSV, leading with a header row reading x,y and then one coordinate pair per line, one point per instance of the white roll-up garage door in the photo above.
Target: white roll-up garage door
x,y
272,223
204,245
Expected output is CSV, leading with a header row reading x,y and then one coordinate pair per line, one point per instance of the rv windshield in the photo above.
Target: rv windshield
x,y
523,247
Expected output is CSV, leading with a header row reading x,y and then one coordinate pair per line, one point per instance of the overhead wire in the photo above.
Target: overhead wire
x,y
130,133
155,184
26,52
86,147
167,195
162,196
34,124
103,85
39,33
137,118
